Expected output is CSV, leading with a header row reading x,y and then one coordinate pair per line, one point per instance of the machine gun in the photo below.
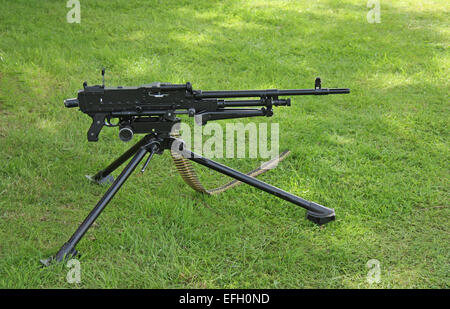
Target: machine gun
x,y
152,109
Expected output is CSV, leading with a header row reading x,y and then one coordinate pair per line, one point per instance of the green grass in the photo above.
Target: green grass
x,y
379,156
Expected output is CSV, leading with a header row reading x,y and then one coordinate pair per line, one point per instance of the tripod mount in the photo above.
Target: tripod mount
x,y
153,144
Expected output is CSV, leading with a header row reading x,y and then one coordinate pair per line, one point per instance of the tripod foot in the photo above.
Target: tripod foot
x,y
65,253
105,180
320,219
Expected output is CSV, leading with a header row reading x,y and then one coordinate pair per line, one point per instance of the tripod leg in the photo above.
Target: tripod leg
x,y
104,176
316,213
68,249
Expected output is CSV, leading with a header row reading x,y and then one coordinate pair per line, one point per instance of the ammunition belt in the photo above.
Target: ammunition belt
x,y
189,175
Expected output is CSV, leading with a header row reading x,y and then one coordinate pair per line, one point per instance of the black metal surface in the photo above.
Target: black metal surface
x,y
268,93
70,103
229,113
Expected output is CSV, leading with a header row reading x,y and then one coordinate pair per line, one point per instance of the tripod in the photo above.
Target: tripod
x,y
151,144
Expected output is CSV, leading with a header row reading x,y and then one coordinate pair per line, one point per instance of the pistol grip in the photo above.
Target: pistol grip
x,y
98,121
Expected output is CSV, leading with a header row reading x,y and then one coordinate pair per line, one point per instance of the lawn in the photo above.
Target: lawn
x,y
379,156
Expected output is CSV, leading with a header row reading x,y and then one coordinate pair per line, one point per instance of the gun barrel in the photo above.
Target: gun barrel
x,y
269,93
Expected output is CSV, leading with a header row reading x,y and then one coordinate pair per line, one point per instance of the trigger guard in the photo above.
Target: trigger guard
x,y
109,124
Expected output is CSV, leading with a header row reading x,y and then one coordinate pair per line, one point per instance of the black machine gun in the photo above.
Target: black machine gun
x,y
152,109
